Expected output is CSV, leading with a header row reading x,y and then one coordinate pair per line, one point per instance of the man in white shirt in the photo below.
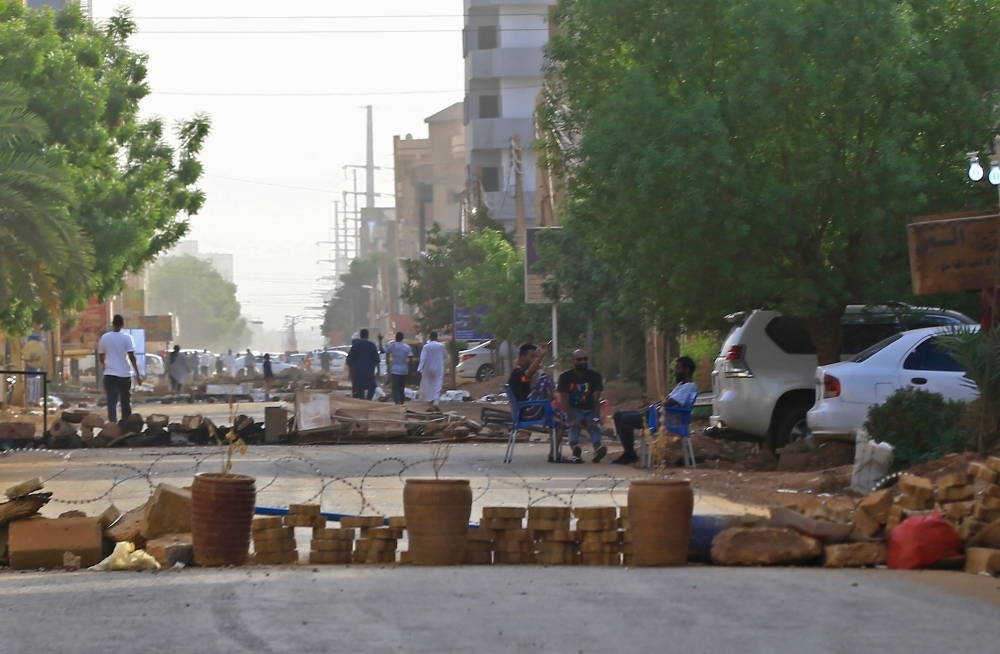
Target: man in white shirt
x,y
116,350
230,361
431,369
626,422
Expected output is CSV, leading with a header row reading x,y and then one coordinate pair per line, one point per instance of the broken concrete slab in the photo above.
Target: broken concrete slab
x,y
109,516
167,512
71,561
25,488
982,560
93,420
764,546
917,487
157,421
41,542
172,549
128,527
854,555
877,506
988,536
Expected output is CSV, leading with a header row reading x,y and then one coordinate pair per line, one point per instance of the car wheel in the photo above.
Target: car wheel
x,y
791,426
485,372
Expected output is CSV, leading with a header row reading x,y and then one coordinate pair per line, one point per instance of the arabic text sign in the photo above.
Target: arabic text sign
x,y
949,254
469,324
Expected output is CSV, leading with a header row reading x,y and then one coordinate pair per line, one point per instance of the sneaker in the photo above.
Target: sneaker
x,y
599,453
577,451
627,458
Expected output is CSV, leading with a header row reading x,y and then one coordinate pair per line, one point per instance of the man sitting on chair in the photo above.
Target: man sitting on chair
x,y
626,422
528,383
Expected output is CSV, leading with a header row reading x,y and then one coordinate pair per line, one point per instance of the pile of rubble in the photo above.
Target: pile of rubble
x,y
84,429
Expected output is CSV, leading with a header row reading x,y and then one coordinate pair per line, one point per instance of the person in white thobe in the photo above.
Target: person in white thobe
x,y
431,370
230,361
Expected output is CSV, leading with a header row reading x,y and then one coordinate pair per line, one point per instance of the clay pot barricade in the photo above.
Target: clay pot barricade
x,y
222,508
437,519
660,520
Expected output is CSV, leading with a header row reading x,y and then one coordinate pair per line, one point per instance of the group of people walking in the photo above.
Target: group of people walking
x,y
364,366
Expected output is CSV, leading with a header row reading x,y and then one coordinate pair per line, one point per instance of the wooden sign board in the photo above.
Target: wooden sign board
x,y
954,252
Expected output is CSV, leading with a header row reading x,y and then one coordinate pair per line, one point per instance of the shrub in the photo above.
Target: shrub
x,y
921,426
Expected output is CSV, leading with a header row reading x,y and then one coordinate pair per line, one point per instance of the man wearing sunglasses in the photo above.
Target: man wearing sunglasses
x,y
580,396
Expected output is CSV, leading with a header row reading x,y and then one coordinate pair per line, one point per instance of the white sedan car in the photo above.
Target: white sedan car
x,y
476,362
845,391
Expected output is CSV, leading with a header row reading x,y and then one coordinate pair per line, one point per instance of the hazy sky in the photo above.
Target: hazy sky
x,y
404,57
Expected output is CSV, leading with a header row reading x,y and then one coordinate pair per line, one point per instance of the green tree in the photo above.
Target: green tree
x,y
41,249
348,312
205,304
133,188
734,154
430,281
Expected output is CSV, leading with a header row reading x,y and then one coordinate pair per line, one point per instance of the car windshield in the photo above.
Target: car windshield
x,y
864,355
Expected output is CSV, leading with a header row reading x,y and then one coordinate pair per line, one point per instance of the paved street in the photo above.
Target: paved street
x,y
495,609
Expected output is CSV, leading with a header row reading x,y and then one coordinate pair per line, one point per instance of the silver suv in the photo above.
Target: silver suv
x,y
763,381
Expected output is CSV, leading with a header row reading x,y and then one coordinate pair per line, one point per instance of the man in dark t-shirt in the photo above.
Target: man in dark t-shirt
x,y
528,361
580,396
363,363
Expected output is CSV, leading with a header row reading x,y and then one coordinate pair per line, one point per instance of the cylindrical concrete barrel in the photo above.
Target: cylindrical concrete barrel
x,y
659,513
222,508
437,519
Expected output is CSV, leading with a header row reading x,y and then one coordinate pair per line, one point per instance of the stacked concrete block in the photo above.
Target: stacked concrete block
x,y
331,546
554,543
305,515
512,544
479,546
273,543
597,531
377,543
625,531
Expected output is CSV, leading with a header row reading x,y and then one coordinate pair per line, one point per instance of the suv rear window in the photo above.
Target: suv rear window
x,y
790,335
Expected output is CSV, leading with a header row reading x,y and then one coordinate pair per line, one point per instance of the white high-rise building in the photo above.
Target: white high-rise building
x,y
504,42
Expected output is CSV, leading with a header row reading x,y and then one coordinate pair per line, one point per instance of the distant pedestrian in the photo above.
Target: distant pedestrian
x,y
398,355
116,350
230,360
324,360
580,391
431,369
363,363
205,360
177,369
268,375
250,364
219,366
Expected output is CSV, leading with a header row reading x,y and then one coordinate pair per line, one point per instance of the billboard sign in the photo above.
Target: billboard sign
x,y
159,329
83,338
469,324
953,252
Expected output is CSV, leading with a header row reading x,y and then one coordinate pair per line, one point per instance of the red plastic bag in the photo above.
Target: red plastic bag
x,y
922,541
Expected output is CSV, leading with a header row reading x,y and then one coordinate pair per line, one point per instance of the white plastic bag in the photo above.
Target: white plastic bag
x,y
872,462
126,557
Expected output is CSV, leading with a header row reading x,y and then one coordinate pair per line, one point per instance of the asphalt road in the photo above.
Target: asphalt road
x,y
494,609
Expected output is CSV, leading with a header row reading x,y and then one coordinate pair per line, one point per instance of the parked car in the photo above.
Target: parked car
x,y
763,378
276,366
846,390
154,365
337,361
476,362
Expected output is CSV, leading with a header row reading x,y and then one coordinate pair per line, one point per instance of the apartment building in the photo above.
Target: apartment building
x,y
504,43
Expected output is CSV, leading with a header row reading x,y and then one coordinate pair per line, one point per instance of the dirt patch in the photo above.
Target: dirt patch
x,y
946,465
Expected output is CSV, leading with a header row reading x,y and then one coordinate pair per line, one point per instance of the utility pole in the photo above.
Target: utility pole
x,y
370,164
518,191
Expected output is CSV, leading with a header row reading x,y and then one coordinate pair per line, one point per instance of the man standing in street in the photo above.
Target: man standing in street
x,y
398,354
324,361
627,422
230,361
250,364
363,364
431,369
116,350
580,396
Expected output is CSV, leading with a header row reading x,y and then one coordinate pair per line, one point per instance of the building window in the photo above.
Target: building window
x,y
491,179
487,37
489,106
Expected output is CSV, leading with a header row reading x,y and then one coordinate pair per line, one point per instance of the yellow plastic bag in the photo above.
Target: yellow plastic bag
x,y
126,557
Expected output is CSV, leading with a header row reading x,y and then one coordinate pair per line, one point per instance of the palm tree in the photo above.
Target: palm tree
x,y
42,250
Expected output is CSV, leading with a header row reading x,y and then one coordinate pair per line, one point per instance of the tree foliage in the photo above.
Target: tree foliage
x,y
735,154
133,189
41,248
348,312
205,304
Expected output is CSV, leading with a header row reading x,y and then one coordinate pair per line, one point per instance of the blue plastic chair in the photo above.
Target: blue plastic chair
x,y
680,426
547,420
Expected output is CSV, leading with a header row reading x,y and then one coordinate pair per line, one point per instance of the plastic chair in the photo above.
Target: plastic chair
x,y
547,420
681,426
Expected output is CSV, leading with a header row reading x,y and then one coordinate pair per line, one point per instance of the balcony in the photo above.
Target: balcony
x,y
503,62
496,133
